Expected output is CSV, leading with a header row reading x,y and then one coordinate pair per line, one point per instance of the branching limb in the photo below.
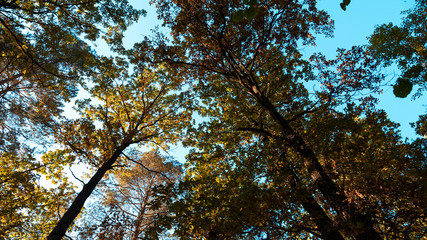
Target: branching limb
x,y
146,168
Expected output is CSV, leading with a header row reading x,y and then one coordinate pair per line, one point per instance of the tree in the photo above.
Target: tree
x,y
404,46
250,78
44,58
131,110
28,209
251,190
123,211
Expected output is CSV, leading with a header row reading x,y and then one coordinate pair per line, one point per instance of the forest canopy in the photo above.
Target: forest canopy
x,y
281,145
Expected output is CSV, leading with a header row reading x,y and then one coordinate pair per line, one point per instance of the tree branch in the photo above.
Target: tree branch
x,y
142,165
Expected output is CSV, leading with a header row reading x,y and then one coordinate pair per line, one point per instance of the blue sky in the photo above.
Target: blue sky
x,y
352,27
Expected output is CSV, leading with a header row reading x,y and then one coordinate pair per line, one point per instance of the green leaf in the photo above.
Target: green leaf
x,y
402,88
250,2
414,71
253,2
250,13
344,4
238,16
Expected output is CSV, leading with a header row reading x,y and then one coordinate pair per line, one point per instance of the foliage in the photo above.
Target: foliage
x,y
345,4
249,12
248,191
123,109
268,146
285,146
44,57
126,111
404,46
28,210
229,194
123,211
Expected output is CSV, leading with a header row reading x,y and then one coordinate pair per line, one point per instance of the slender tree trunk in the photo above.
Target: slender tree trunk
x,y
359,224
67,219
137,228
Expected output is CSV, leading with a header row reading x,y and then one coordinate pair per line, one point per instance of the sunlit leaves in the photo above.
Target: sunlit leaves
x,y
362,154
43,55
124,206
124,109
353,74
42,62
261,123
28,209
127,111
263,139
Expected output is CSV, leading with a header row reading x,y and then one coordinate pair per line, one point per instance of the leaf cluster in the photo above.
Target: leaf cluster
x,y
404,46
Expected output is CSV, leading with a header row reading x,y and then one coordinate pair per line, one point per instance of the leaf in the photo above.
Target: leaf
x,y
402,88
344,4
414,71
238,16
253,2
251,13
404,45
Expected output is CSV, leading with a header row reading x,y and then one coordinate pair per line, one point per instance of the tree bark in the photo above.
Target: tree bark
x,y
137,227
67,219
357,223
324,223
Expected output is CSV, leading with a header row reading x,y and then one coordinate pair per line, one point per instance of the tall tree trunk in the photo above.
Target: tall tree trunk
x,y
67,219
137,227
358,224
324,223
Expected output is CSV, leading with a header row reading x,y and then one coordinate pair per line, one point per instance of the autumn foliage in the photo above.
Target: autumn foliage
x,y
281,145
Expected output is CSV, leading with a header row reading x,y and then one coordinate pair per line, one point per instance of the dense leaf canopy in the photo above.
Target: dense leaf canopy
x,y
284,152
282,146
43,60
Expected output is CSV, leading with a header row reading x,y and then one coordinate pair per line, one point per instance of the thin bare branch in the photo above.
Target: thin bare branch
x,y
142,165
